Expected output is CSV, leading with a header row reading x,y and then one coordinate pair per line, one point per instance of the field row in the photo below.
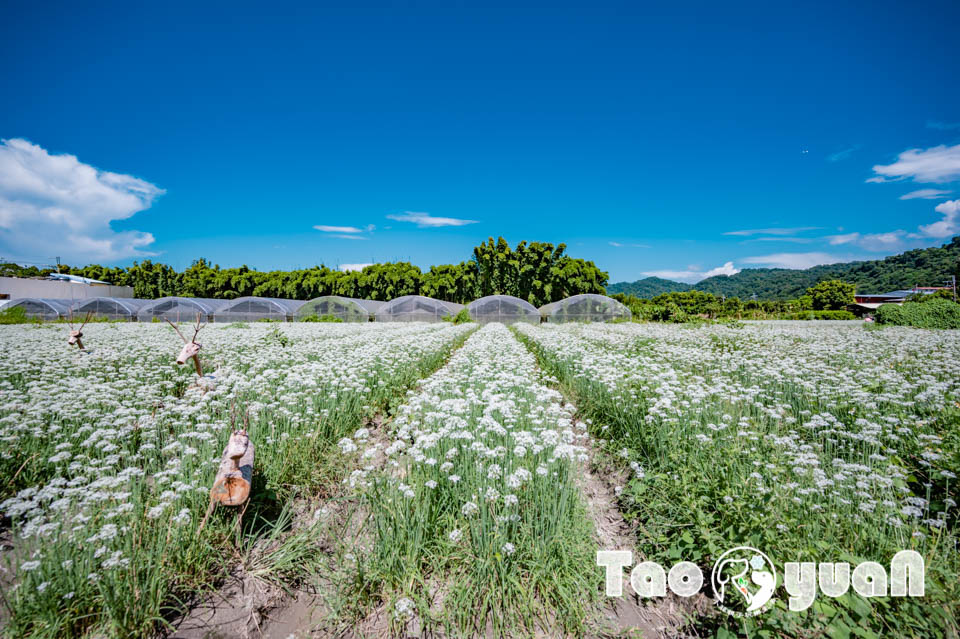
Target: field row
x,y
109,455
476,521
464,465
826,444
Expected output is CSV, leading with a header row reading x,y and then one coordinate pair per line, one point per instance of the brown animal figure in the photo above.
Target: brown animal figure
x,y
231,487
232,484
76,334
191,349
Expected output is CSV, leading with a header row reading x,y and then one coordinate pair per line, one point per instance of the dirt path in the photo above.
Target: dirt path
x,y
628,615
247,607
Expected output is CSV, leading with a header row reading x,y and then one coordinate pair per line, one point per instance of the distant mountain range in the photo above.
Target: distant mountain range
x,y
920,267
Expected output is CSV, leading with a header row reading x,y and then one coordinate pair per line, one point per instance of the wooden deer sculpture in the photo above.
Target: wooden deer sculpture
x,y
231,487
235,475
77,333
191,349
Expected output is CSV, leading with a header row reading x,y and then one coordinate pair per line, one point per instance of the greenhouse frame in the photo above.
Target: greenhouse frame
x,y
114,308
588,307
346,309
417,308
505,309
253,309
180,309
372,306
40,307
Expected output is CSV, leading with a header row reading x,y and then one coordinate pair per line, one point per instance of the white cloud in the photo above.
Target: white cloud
x,y
889,241
57,205
794,260
693,275
943,126
925,194
846,238
936,164
949,225
842,155
345,232
425,220
341,229
893,241
727,269
346,268
793,240
773,231
621,245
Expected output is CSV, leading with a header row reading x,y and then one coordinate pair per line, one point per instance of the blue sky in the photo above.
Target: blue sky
x,y
677,139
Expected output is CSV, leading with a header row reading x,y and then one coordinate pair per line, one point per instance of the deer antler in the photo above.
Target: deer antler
x,y
85,320
197,328
76,333
178,332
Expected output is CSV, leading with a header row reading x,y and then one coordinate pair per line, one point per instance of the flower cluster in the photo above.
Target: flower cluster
x,y
115,448
481,464
820,432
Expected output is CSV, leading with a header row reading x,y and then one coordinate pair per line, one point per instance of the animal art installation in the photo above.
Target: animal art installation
x,y
191,349
76,334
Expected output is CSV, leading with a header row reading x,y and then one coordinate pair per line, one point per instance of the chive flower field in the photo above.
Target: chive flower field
x,y
453,480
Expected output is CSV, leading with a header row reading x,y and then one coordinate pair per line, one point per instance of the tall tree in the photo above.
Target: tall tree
x,y
831,295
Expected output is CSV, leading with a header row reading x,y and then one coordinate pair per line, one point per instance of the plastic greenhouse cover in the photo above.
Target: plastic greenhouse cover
x,y
253,308
110,307
44,308
587,307
347,309
180,309
505,309
371,305
547,308
416,308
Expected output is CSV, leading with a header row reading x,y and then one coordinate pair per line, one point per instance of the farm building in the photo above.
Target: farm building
x,y
252,309
505,309
180,309
346,309
866,302
114,308
68,287
587,307
416,308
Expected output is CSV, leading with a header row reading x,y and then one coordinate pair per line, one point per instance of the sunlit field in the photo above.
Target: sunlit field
x,y
456,479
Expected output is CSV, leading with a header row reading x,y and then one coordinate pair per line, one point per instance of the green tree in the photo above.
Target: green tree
x,y
537,272
451,282
733,306
831,295
199,280
389,281
692,302
151,281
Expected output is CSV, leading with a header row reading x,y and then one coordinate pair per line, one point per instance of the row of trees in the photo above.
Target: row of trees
x,y
537,272
829,296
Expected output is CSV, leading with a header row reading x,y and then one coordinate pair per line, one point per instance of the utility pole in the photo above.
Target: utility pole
x,y
58,264
953,285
